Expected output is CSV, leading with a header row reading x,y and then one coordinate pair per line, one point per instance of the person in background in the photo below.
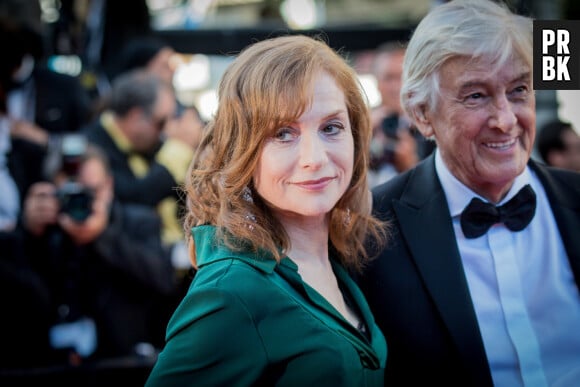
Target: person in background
x,y
559,145
110,281
278,208
148,166
41,105
9,190
25,321
24,327
150,53
480,287
25,324
396,146
156,56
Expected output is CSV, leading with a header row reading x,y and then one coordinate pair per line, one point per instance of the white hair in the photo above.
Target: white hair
x,y
460,28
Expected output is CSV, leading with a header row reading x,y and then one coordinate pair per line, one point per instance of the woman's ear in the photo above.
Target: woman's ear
x,y
422,121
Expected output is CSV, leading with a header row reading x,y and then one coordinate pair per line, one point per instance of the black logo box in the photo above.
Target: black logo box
x,y
573,64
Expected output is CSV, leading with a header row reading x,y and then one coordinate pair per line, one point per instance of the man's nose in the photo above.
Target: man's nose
x,y
503,115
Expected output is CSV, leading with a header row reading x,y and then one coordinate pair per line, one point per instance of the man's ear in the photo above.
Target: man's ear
x,y
421,118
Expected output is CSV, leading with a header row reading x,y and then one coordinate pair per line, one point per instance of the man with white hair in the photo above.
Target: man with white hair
x,y
479,284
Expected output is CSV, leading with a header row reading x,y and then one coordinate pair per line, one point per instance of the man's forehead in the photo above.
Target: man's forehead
x,y
462,71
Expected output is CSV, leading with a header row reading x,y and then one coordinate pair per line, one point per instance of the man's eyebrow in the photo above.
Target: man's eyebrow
x,y
470,84
524,76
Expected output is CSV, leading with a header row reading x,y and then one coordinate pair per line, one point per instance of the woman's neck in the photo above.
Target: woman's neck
x,y
308,241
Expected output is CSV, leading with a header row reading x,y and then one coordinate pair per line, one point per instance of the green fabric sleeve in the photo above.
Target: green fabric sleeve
x,y
202,340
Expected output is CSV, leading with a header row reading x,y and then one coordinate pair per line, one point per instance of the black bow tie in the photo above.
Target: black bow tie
x,y
479,216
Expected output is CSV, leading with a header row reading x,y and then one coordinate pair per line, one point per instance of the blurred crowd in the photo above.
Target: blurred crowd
x,y
93,254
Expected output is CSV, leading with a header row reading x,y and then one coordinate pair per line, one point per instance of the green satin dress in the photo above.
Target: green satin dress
x,y
248,321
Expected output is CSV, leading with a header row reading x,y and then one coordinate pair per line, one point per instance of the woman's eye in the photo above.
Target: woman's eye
x,y
333,128
283,134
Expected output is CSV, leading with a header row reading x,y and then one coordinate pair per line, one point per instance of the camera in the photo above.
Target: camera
x,y
75,199
390,127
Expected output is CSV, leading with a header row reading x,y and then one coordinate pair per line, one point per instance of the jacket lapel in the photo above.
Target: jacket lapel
x,y
565,204
427,229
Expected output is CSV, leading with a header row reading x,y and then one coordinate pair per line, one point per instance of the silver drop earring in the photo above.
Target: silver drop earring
x,y
247,196
347,217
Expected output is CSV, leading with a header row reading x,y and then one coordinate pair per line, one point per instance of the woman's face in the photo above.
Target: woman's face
x,y
307,165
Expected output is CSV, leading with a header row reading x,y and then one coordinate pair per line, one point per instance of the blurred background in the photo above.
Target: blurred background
x,y
84,37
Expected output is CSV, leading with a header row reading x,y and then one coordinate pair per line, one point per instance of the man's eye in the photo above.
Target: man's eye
x,y
520,90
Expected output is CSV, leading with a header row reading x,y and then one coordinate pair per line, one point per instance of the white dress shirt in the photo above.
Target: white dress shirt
x,y
526,301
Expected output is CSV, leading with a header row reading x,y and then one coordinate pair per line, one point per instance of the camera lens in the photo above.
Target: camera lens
x,y
390,126
75,201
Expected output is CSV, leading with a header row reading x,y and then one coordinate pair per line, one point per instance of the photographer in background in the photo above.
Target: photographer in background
x,y
41,105
148,151
558,143
395,146
111,283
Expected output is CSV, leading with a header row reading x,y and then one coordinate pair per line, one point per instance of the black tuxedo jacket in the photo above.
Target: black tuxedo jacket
x,y
417,287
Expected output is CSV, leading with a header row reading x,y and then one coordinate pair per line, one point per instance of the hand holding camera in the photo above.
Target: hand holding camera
x,y
74,198
393,144
90,228
70,200
41,208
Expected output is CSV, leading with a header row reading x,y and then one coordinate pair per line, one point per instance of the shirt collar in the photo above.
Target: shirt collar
x,y
459,195
209,250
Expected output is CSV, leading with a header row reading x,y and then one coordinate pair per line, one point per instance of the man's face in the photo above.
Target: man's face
x,y
485,122
389,71
571,155
93,176
152,125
